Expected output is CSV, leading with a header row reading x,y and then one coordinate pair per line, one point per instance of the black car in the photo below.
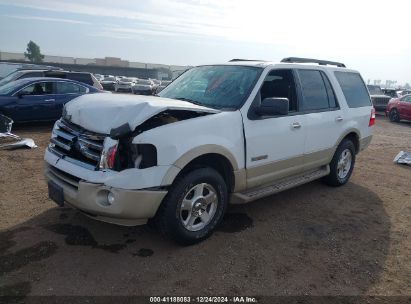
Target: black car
x,y
83,77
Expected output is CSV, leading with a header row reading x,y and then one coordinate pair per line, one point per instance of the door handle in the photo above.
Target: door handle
x,y
339,118
50,100
296,125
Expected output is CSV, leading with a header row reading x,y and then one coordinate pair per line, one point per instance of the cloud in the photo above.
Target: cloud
x,y
317,26
64,20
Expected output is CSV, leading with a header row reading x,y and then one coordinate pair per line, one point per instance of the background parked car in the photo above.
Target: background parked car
x,y
99,77
143,87
84,77
163,84
7,68
399,108
39,99
125,84
378,98
109,83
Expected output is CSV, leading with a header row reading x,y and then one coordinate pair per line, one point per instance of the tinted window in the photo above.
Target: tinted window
x,y
375,90
332,100
280,83
32,74
69,88
82,77
313,89
354,89
39,88
407,99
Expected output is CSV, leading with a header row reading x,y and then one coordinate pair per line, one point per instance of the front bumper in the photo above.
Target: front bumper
x,y
130,207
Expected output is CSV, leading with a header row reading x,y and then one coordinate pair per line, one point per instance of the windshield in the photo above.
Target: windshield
x,y
9,87
222,87
13,76
375,90
110,79
127,80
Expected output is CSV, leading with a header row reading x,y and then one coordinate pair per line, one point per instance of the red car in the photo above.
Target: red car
x,y
399,108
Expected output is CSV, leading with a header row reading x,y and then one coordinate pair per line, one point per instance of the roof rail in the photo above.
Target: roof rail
x,y
236,60
308,60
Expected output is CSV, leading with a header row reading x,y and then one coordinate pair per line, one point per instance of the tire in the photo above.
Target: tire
x,y
342,164
394,116
190,199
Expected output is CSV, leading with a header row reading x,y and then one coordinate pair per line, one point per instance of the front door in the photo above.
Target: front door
x,y
35,102
274,145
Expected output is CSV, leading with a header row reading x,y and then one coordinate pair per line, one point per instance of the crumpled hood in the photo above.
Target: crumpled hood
x,y
102,112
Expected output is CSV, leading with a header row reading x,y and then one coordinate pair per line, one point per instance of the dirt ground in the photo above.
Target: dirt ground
x,y
312,240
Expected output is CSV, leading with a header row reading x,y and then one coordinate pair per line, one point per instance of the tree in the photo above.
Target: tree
x,y
33,52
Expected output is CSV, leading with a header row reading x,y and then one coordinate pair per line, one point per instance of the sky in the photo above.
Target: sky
x,y
369,36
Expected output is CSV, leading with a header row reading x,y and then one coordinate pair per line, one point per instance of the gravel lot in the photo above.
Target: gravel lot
x,y
312,240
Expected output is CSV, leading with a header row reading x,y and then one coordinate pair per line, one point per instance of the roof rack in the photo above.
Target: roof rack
x,y
308,60
236,60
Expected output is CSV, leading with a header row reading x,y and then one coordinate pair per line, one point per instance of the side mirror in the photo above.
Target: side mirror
x,y
273,106
20,95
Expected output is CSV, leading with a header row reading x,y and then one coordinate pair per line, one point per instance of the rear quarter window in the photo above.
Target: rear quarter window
x,y
354,89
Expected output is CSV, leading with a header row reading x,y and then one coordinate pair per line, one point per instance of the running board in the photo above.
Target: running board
x,y
281,185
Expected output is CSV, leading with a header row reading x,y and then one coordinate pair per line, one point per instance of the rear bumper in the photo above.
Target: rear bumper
x,y
129,208
107,86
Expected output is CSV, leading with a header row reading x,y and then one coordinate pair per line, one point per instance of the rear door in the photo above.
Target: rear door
x,y
274,144
324,118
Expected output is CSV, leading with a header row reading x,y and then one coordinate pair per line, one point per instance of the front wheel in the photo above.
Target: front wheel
x,y
342,164
193,207
394,116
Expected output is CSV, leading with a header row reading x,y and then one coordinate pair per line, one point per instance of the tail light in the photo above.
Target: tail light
x,y
372,118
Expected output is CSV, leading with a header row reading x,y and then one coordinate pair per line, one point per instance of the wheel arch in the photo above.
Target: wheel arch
x,y
213,156
354,136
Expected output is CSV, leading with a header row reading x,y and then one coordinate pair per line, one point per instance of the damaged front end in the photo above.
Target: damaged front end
x,y
115,151
9,140
121,153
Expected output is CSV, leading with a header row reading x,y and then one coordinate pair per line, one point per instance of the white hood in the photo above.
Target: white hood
x,y
102,112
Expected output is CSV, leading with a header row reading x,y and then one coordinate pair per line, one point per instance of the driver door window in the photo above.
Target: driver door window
x,y
280,83
39,88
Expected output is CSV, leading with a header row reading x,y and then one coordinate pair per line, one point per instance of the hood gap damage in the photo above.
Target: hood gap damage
x,y
143,156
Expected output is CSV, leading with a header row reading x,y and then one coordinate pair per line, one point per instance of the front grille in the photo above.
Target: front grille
x,y
64,177
380,101
77,145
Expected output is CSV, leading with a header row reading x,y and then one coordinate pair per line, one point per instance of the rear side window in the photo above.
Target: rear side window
x,y
314,90
69,88
32,74
354,89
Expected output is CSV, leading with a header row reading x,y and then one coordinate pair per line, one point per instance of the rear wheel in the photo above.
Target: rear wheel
x,y
394,116
342,164
193,207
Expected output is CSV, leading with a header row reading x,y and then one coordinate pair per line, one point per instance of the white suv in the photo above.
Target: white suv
x,y
218,134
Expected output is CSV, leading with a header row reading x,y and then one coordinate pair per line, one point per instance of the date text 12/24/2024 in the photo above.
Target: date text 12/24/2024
x,y
207,299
